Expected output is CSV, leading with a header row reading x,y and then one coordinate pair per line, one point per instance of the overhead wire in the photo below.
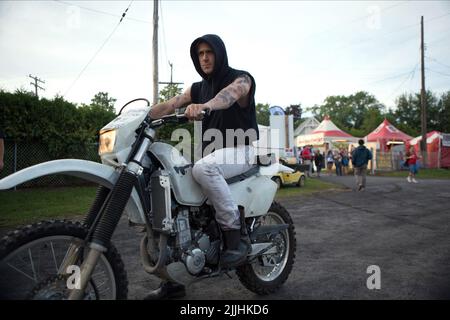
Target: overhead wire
x,y
163,33
410,77
438,72
102,12
353,43
98,50
438,62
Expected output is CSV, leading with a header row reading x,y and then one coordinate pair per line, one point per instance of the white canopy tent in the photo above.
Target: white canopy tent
x,y
326,132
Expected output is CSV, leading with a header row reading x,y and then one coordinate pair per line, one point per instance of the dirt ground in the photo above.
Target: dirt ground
x,y
399,227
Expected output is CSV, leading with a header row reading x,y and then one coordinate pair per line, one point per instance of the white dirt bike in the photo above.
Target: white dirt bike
x,y
152,183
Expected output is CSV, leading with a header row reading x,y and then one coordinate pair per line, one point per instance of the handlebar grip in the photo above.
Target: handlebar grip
x,y
206,112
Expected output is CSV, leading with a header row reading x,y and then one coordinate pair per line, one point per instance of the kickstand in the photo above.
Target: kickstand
x,y
228,275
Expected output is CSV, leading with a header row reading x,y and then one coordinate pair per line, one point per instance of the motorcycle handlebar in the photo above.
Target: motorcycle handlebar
x,y
174,118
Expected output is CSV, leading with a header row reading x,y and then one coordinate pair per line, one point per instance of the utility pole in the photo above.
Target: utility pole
x,y
35,84
155,51
171,82
423,99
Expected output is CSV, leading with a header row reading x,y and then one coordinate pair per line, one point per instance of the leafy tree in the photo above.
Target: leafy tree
x,y
165,133
349,112
102,101
262,114
371,121
443,107
169,91
407,113
65,129
296,111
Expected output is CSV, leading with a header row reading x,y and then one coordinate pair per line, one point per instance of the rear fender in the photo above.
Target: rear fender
x,y
87,170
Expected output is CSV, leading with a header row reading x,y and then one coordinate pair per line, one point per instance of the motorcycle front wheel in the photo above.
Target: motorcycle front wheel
x,y
267,273
30,259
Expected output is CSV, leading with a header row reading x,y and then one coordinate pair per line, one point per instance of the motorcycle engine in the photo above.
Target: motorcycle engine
x,y
195,246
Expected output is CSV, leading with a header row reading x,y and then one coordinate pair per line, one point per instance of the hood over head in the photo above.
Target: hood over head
x,y
221,59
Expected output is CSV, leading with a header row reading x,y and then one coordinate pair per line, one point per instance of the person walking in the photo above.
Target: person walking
x,y
411,158
318,161
330,161
338,163
345,161
360,158
306,156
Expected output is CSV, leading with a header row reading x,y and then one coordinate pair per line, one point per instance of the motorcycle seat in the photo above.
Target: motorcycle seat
x,y
261,161
247,174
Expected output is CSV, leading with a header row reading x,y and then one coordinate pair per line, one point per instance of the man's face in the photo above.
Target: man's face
x,y
206,58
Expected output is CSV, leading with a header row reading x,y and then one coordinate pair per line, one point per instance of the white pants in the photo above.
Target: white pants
x,y
212,170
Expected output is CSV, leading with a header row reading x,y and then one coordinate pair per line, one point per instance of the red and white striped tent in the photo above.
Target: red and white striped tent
x,y
386,134
326,132
438,155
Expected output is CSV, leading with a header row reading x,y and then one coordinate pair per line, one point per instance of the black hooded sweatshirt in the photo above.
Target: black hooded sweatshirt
x,y
234,117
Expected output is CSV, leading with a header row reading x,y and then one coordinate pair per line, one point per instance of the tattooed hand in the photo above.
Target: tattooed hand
x,y
194,111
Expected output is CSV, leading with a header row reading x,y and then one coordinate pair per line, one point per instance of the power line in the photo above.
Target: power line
x,y
443,64
391,77
444,74
353,43
410,77
98,51
101,12
164,33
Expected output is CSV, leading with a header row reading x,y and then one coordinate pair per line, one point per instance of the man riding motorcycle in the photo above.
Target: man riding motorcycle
x,y
228,97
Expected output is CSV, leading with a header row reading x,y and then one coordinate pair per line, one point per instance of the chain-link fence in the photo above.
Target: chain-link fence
x,y
20,155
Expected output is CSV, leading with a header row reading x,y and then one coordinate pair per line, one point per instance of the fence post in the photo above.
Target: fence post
x,y
439,153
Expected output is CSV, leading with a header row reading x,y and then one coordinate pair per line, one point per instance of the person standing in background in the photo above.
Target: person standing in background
x,y
360,159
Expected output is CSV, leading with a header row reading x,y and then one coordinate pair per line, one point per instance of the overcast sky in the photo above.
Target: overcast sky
x,y
298,51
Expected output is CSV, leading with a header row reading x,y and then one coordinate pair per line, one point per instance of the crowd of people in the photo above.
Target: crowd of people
x,y
318,160
341,159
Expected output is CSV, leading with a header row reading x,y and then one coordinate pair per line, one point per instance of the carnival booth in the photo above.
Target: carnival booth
x,y
438,149
389,146
386,136
327,133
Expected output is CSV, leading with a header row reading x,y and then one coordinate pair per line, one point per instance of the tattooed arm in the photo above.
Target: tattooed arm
x,y
168,107
236,91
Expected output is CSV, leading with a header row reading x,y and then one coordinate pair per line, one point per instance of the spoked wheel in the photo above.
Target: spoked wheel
x,y
31,258
268,272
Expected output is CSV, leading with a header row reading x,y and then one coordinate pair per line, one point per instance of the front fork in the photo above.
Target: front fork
x,y
110,218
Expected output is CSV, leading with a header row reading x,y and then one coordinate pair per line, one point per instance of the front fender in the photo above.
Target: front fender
x,y
88,170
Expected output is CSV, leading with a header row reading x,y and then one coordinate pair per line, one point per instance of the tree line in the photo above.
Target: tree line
x,y
68,128
360,113
64,127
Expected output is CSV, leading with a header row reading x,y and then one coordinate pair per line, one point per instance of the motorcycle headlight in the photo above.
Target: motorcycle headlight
x,y
107,141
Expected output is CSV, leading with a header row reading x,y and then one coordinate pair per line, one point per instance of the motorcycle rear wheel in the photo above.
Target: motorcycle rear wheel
x,y
31,256
267,273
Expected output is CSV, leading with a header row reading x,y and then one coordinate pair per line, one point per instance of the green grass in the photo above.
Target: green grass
x,y
311,186
32,205
423,174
